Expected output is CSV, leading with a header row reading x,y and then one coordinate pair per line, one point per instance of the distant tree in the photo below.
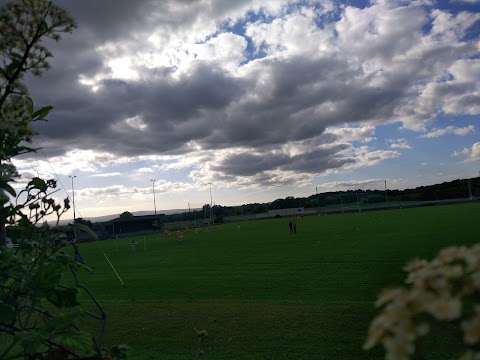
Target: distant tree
x,y
126,214
82,221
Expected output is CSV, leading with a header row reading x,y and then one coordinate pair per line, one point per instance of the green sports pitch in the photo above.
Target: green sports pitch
x,y
259,291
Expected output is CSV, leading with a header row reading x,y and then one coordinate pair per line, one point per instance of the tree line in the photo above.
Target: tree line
x,y
448,190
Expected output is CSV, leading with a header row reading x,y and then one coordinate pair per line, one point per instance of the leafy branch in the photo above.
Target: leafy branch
x,y
40,314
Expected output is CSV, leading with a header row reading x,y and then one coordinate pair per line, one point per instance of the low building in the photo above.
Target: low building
x,y
287,212
128,225
291,212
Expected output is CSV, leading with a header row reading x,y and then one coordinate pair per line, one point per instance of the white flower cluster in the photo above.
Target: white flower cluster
x,y
15,126
15,118
443,290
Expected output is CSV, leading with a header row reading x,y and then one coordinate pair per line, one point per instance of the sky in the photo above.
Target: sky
x,y
251,101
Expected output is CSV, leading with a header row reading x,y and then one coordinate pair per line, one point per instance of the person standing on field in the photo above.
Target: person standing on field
x,y
294,226
291,227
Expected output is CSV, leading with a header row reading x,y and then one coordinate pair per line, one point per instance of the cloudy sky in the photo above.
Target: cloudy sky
x,y
260,99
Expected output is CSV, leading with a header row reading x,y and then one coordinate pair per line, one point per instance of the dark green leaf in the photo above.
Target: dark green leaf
x,y
19,272
119,352
16,56
64,259
5,259
38,183
49,277
11,68
79,340
24,149
24,222
5,186
7,314
41,113
30,341
29,104
64,321
11,152
63,297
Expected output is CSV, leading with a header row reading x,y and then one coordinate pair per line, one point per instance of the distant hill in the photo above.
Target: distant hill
x,y
97,219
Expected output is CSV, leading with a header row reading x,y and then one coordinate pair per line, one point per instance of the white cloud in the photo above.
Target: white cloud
x,y
145,170
74,160
349,134
127,192
290,35
399,143
107,174
225,50
447,26
471,154
364,157
449,130
136,122
192,161
122,68
89,161
464,70
372,184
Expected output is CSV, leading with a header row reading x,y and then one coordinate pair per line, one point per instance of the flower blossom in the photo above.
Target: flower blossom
x,y
445,290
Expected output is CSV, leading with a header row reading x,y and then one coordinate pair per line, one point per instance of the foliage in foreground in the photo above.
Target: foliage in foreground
x,y
40,316
441,298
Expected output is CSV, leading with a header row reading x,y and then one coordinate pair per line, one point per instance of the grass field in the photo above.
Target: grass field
x,y
262,293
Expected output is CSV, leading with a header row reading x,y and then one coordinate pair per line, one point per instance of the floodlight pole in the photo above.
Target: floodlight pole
x,y
154,202
211,208
470,190
386,194
74,216
341,202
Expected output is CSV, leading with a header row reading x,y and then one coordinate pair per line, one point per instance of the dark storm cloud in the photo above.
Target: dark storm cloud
x,y
173,112
197,107
192,108
318,161
292,110
108,19
250,164
111,20
207,106
315,161
97,22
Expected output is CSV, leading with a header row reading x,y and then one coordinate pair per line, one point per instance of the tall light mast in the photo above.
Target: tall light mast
x,y
154,202
74,216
